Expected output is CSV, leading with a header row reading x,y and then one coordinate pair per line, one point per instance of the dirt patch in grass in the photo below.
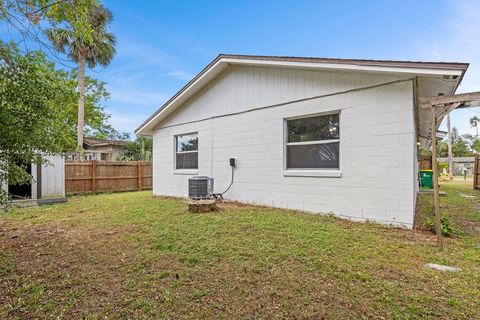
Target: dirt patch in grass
x,y
133,256
61,271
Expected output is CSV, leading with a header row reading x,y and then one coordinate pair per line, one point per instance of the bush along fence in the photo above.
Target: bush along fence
x,y
107,176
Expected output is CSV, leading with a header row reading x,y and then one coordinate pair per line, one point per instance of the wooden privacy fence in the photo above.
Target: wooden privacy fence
x,y
107,176
476,173
425,163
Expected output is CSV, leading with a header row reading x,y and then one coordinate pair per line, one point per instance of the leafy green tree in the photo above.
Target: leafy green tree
x,y
38,111
33,96
461,145
140,149
33,10
455,134
461,148
425,152
468,138
86,46
107,132
442,148
96,118
27,17
476,145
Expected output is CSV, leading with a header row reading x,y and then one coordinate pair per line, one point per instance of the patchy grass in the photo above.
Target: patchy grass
x,y
462,205
129,255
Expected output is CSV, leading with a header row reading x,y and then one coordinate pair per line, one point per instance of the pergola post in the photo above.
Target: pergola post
x,y
436,191
450,153
440,106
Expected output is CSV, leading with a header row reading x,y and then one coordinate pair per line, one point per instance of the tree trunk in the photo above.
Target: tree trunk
x,y
81,105
450,154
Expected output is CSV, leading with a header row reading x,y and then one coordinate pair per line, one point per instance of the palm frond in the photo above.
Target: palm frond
x,y
59,37
101,17
102,48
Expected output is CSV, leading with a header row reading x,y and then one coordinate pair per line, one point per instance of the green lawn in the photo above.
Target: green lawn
x,y
128,255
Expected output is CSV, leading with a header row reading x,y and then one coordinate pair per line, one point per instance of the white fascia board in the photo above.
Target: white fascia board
x,y
347,67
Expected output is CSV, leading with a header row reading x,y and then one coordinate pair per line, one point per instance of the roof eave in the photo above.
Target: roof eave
x,y
412,68
420,71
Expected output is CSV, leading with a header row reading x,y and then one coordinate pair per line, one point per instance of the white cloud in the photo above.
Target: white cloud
x,y
123,75
180,75
141,53
124,122
134,96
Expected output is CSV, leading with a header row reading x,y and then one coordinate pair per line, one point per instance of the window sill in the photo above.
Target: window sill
x,y
313,173
191,172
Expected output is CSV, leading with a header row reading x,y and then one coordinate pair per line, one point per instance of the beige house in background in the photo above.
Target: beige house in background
x,y
101,149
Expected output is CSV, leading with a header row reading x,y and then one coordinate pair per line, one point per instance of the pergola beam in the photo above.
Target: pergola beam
x,y
446,110
456,98
470,104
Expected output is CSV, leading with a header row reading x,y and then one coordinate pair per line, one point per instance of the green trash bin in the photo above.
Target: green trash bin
x,y
426,179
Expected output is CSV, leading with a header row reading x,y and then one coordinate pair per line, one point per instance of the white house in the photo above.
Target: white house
x,y
320,135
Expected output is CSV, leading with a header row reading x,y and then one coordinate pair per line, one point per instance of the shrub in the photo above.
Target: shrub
x,y
447,225
442,167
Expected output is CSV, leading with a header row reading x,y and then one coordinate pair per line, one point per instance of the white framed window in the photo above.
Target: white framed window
x,y
186,151
313,143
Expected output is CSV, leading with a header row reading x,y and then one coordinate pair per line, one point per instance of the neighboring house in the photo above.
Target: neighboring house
x,y
48,181
319,135
460,164
101,149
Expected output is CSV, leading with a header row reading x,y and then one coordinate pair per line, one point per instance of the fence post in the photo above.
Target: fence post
x,y
139,174
475,172
94,176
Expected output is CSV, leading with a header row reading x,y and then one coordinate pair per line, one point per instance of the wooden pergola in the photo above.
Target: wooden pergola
x,y
440,106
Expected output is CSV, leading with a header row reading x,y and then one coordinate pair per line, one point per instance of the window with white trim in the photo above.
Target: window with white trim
x,y
186,151
313,142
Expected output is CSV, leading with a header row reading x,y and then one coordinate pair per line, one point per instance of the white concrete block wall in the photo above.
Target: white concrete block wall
x,y
377,143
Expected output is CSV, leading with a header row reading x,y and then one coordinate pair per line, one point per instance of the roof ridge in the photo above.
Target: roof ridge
x,y
326,59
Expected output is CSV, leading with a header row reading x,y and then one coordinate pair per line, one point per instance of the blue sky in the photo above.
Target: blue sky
x,y
161,45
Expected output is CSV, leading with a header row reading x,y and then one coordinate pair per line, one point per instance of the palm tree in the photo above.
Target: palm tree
x,y
474,122
97,49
